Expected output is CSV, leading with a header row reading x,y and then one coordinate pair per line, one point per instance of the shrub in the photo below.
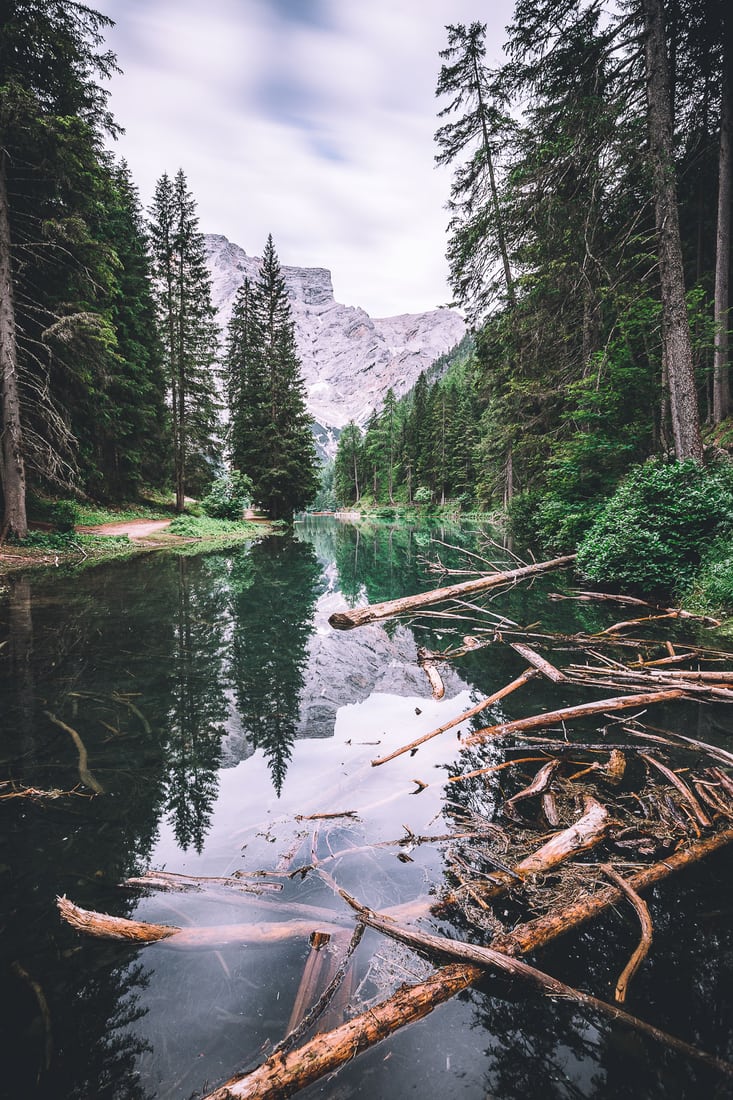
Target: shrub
x,y
64,516
548,522
711,591
422,495
228,496
654,531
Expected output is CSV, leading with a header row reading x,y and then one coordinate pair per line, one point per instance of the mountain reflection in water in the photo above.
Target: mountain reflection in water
x,y
199,709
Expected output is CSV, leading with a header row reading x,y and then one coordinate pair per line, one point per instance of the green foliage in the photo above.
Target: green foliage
x,y
658,525
270,437
207,527
228,496
64,516
711,591
422,495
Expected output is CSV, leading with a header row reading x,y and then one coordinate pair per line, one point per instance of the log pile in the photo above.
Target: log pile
x,y
562,827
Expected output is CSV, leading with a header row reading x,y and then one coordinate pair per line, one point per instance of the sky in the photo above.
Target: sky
x,y
312,120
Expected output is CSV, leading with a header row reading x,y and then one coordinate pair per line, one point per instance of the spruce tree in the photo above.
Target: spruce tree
x,y
188,333
270,435
133,440
53,114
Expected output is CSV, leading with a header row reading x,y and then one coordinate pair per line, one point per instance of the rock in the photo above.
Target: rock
x,y
349,359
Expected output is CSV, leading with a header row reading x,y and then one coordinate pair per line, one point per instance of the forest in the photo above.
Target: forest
x,y
588,246
113,380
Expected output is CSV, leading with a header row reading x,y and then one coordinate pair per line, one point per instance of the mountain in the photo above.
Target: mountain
x,y
349,359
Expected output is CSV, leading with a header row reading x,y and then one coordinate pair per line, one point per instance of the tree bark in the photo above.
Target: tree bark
x,y
567,714
346,620
12,460
721,365
677,345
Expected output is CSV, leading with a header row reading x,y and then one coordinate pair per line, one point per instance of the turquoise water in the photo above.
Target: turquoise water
x,y
198,712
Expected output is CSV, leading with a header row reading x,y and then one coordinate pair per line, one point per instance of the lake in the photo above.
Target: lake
x,y
199,716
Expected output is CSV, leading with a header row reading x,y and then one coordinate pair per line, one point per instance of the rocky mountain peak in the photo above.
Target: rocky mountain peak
x,y
349,359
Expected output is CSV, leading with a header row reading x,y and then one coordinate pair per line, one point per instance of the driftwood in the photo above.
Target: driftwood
x,y
500,694
539,785
360,616
514,968
568,714
642,911
174,883
533,658
427,664
283,1076
108,927
588,831
536,933
84,774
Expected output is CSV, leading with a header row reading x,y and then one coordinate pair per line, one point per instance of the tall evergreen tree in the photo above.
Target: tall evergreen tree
x,y
132,440
188,333
271,438
477,223
347,465
52,117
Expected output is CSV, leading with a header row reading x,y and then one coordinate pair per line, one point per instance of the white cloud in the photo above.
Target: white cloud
x,y
318,130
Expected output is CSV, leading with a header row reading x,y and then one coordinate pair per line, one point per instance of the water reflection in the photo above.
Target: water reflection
x,y
273,593
187,682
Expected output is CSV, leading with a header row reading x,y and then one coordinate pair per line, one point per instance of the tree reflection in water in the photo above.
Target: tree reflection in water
x,y
273,594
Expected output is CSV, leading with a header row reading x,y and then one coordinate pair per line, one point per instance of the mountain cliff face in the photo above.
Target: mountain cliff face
x,y
349,359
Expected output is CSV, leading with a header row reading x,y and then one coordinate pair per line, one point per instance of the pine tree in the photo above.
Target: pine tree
x,y
52,117
478,238
348,462
188,333
133,440
271,441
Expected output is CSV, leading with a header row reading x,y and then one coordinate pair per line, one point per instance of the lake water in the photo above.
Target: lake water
x,y
199,712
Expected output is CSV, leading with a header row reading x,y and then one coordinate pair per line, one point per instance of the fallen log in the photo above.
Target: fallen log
x,y
536,933
497,695
108,927
533,658
360,616
427,664
514,968
587,832
568,714
284,1076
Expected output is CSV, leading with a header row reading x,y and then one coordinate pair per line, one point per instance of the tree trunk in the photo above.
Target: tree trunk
x,y
676,340
721,375
12,463
500,237
360,616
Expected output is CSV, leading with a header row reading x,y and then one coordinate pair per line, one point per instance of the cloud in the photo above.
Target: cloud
x,y
309,119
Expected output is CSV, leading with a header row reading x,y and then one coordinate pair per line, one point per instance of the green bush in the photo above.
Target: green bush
x,y
228,496
711,592
656,528
548,522
64,516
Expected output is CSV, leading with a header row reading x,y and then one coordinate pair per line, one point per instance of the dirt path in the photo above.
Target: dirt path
x,y
134,528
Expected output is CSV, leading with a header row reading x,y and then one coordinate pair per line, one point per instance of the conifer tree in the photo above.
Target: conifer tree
x,y
477,223
271,439
347,465
133,440
53,114
188,333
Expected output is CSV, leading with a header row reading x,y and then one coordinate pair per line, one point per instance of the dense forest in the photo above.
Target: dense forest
x,y
589,247
109,347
